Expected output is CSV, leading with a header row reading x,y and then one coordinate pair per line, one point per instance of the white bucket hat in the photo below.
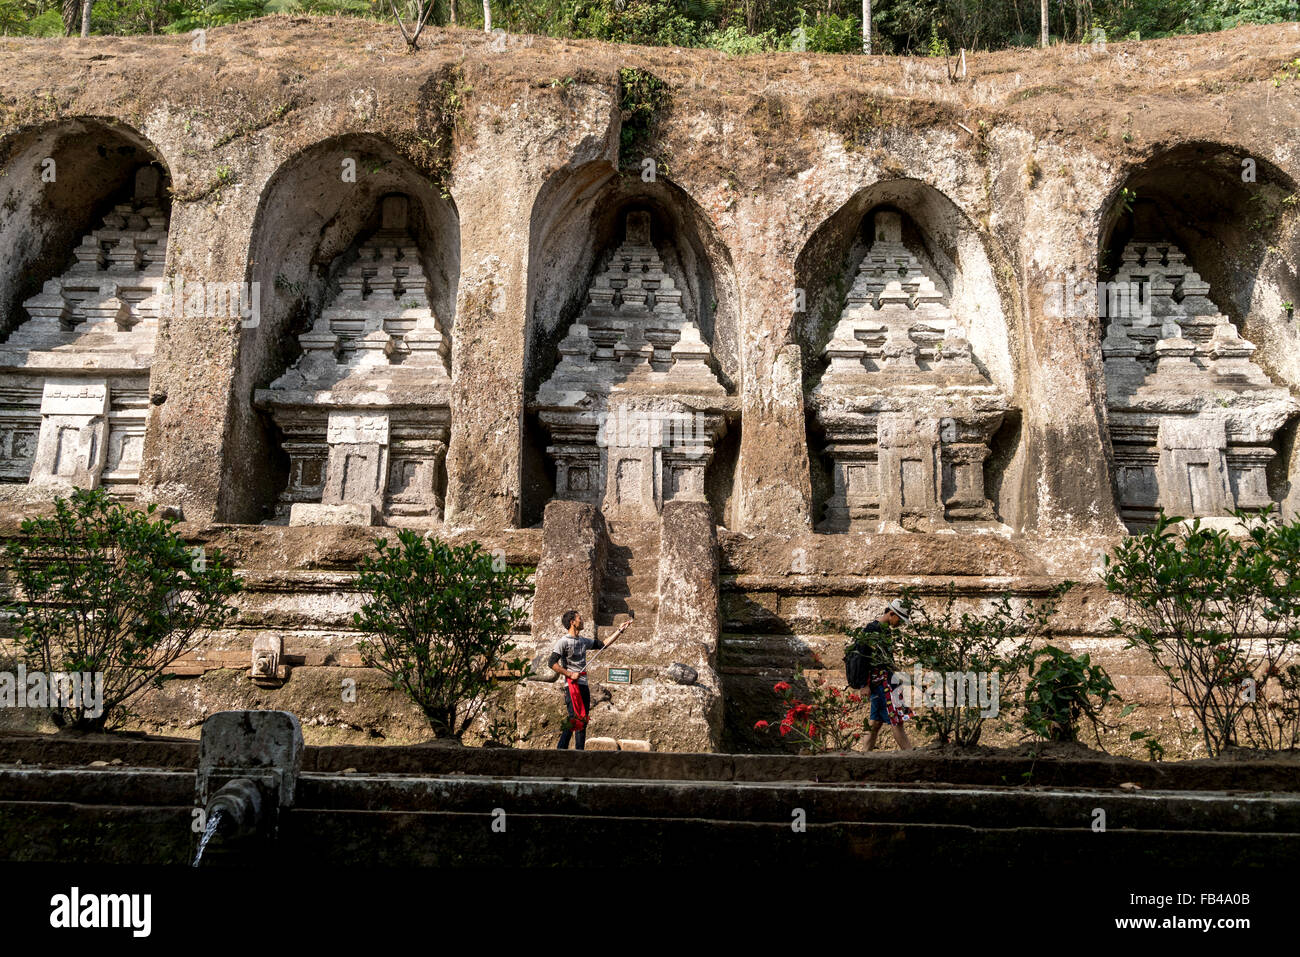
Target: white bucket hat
x,y
899,609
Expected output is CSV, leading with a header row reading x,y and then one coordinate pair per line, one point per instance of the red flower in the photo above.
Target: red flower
x,y
760,725
781,687
835,692
812,729
785,728
855,698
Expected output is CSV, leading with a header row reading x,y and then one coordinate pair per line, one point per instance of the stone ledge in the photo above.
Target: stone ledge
x,y
348,513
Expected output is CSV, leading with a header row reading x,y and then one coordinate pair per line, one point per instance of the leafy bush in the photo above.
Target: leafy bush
x,y
102,588
1218,615
650,22
1062,690
25,17
997,641
642,96
832,34
736,41
195,15
438,621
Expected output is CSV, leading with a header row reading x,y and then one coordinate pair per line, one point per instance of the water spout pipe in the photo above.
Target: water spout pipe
x,y
241,805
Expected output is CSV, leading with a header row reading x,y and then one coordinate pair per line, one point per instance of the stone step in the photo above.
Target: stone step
x,y
614,610
643,626
642,584
630,565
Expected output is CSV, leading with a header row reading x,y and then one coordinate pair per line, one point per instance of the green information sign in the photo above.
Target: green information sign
x,y
620,676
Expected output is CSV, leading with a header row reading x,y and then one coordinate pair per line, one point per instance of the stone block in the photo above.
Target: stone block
x,y
348,513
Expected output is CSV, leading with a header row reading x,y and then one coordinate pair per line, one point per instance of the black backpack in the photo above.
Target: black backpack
x,y
857,667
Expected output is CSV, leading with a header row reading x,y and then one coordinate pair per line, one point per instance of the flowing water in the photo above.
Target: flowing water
x,y
214,822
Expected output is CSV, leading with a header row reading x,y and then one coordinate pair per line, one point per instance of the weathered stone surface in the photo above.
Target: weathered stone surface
x,y
908,416
1192,418
341,513
633,408
518,214
569,573
365,409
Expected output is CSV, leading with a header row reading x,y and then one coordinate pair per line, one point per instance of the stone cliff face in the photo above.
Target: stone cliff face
x,y
291,274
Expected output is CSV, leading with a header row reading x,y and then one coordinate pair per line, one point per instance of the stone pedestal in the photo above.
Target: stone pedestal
x,y
74,421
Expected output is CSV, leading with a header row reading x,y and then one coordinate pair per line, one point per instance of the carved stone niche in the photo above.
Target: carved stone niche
x,y
74,377
907,413
633,407
366,411
1193,420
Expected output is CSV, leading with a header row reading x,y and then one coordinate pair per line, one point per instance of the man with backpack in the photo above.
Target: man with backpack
x,y
869,662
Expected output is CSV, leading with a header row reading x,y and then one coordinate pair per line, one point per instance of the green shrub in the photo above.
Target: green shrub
x,y
997,641
642,96
735,41
102,588
1061,691
1218,615
833,34
438,621
649,22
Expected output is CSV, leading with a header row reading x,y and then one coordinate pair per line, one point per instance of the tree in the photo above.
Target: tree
x,y
1043,21
964,648
1217,614
421,13
866,26
99,588
438,621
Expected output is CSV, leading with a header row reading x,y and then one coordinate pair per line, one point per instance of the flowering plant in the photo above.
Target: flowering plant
x,y
822,716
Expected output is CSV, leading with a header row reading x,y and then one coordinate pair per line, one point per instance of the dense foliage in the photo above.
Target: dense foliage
x,y
1062,691
438,621
1219,615
100,588
994,640
922,27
